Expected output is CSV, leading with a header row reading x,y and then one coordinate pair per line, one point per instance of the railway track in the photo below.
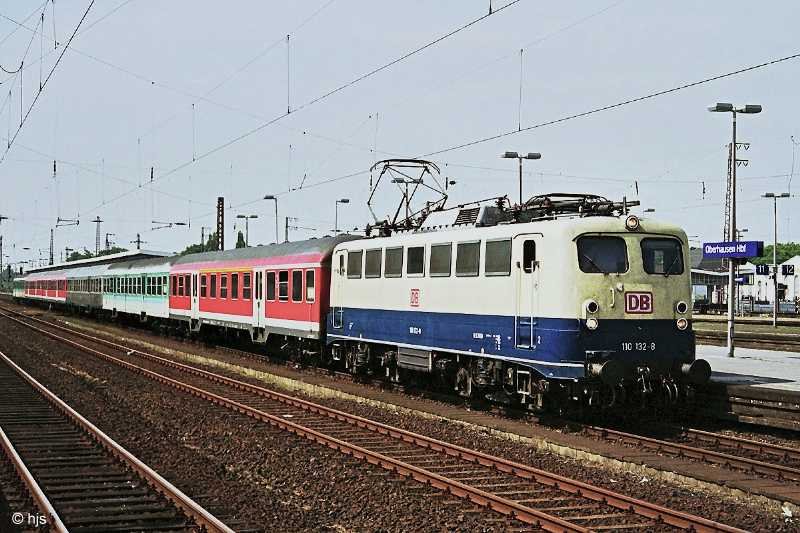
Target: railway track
x,y
745,448
756,338
530,495
76,477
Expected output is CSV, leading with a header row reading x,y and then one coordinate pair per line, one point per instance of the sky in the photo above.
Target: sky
x,y
199,92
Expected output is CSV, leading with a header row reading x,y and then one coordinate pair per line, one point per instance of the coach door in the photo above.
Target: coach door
x,y
338,268
195,300
258,300
527,291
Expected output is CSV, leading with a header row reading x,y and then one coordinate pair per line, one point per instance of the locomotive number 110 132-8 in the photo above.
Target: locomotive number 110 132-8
x,y
638,346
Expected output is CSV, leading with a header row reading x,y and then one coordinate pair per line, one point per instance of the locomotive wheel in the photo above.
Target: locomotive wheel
x,y
463,382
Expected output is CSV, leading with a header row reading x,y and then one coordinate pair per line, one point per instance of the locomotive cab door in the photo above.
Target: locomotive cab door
x,y
338,268
526,291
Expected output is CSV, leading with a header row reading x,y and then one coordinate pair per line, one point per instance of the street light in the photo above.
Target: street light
x,y
247,227
275,198
520,157
775,197
649,210
161,225
729,108
336,215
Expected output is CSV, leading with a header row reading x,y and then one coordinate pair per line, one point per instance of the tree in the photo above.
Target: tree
x,y
77,255
209,246
786,250
240,242
112,250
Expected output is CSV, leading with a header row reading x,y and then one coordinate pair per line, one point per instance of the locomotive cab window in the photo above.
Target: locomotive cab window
x,y
468,258
662,256
416,261
602,255
394,263
372,263
498,258
441,255
354,263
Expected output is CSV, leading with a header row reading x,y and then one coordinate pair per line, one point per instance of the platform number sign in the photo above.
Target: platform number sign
x,y
762,270
787,270
639,302
414,298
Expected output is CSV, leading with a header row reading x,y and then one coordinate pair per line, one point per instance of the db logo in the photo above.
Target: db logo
x,y
414,300
639,302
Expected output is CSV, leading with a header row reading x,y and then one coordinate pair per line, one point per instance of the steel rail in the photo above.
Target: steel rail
x,y
766,448
192,509
788,339
642,508
54,522
701,454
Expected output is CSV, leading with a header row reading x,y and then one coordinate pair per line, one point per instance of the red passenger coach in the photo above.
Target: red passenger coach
x,y
280,290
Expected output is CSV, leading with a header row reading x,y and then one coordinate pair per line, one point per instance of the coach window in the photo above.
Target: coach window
x,y
468,258
246,290
235,285
164,280
602,255
203,286
498,258
187,284
271,286
223,286
212,290
354,263
440,259
297,285
180,285
415,264
372,263
529,256
393,263
283,285
310,293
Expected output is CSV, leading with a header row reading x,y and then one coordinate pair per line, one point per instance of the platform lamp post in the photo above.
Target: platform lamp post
x,y
275,199
519,157
247,227
775,197
336,214
747,109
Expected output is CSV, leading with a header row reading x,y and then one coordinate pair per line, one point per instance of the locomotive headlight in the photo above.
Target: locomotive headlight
x,y
682,324
632,223
592,306
681,307
592,323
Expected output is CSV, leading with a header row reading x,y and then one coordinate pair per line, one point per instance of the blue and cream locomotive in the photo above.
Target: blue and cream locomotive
x,y
569,298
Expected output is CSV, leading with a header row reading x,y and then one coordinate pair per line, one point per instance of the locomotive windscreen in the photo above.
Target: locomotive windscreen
x,y
662,256
604,255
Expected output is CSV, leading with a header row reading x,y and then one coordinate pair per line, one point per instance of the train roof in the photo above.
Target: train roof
x,y
130,255
322,247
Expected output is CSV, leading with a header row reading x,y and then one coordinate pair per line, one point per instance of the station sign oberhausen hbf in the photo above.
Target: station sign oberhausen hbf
x,y
733,249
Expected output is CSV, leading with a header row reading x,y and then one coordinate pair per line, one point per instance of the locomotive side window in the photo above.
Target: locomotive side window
x,y
354,263
416,261
604,255
310,293
203,286
223,286
212,286
297,285
271,286
283,285
246,290
662,256
394,263
529,256
441,255
498,258
372,263
235,285
468,258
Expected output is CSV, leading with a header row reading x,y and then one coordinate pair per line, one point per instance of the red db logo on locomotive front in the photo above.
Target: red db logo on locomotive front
x,y
639,302
414,300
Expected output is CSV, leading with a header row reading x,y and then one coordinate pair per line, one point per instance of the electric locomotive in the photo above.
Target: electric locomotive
x,y
565,299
